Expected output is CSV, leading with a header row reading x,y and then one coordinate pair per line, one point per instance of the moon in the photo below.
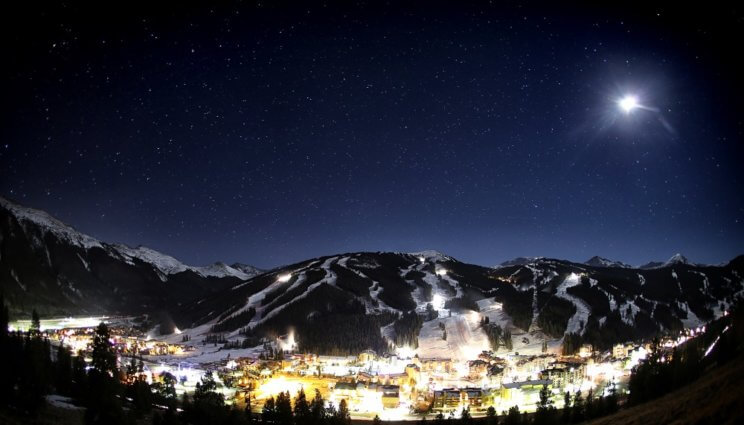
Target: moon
x,y
628,103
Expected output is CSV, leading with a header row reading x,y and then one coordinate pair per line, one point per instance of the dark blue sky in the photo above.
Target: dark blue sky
x,y
268,135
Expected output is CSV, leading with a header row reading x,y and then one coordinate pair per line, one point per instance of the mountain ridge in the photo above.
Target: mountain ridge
x,y
48,265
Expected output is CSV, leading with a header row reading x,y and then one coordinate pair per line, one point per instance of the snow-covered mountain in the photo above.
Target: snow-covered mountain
x,y
543,298
674,259
519,261
350,302
47,264
598,261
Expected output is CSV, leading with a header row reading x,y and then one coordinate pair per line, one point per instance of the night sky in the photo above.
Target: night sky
x,y
270,134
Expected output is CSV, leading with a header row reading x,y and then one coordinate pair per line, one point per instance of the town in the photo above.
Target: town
x,y
397,386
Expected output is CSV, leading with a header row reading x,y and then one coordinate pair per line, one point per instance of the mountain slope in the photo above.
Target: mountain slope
x,y
602,304
48,265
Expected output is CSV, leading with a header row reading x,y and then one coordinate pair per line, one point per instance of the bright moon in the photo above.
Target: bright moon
x,y
628,103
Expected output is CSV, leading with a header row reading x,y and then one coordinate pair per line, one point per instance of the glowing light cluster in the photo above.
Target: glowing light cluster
x,y
283,278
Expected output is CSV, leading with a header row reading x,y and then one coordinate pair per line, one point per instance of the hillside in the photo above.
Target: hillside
x,y
350,302
323,298
47,265
715,398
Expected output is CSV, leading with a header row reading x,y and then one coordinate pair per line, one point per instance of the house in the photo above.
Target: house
x,y
390,396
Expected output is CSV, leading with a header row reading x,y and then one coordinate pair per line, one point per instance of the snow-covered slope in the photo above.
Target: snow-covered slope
x,y
49,265
31,216
598,261
538,299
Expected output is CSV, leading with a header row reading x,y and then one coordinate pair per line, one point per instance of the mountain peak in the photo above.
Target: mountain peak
x,y
677,259
47,223
598,261
520,261
431,254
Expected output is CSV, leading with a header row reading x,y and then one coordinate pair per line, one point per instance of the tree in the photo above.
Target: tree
x,y
611,405
577,412
545,346
103,355
63,371
491,418
513,417
545,413
102,399
508,340
165,391
268,413
35,328
317,408
283,409
301,408
208,405
589,405
566,418
343,412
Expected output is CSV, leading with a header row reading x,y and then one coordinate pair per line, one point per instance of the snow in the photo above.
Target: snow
x,y
597,261
168,265
465,338
431,255
577,322
676,279
49,224
677,259
692,321
62,402
629,319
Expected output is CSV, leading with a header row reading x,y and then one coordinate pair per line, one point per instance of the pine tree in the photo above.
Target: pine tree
x,y
492,419
301,408
317,408
589,405
577,412
284,409
343,412
268,412
103,355
508,340
35,328
63,371
513,417
566,418
103,402
545,413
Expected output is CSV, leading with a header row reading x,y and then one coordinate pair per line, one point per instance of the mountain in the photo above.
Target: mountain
x,y
519,261
674,259
597,261
350,302
48,265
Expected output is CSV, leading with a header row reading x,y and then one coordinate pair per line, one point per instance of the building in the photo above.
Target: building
x,y
473,397
390,396
434,364
564,373
447,399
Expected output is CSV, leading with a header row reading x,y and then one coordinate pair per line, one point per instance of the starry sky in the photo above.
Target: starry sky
x,y
268,133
